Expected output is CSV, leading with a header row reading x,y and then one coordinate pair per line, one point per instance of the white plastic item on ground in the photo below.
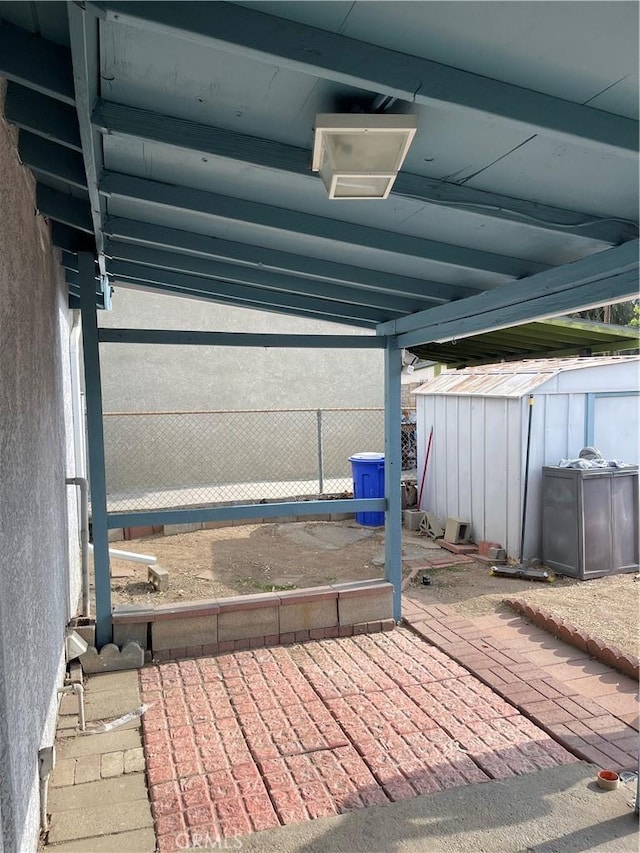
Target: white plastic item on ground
x,y
130,555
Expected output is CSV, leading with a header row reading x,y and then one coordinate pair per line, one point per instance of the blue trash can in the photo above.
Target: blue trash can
x,y
368,482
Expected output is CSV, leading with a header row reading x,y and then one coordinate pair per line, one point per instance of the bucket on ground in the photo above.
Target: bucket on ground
x,y
368,482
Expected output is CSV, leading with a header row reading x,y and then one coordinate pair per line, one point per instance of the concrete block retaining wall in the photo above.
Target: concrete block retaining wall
x,y
253,621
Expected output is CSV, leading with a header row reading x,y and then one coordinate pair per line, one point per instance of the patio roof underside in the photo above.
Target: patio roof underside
x,y
174,141
541,339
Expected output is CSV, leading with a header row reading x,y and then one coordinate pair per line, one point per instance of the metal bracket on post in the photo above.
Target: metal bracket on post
x,y
393,471
95,436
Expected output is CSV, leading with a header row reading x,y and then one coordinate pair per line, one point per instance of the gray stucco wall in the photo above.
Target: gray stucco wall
x,y
151,378
39,570
146,454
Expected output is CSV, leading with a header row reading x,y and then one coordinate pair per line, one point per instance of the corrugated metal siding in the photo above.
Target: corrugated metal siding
x,y
476,468
470,476
519,378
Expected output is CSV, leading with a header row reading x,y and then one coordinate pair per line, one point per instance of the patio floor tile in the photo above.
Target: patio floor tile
x,y
260,738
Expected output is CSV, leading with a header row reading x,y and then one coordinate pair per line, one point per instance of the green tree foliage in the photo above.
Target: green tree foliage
x,y
621,314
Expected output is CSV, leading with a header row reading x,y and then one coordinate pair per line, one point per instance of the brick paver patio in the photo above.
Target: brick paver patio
x,y
582,703
261,738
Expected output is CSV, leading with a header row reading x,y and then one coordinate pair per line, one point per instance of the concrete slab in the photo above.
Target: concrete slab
x,y
104,706
121,790
329,537
136,841
107,818
96,744
554,810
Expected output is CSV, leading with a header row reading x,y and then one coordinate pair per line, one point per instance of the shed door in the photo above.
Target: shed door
x,y
612,425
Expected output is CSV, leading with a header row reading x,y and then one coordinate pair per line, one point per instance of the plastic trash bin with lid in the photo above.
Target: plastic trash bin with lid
x,y
368,482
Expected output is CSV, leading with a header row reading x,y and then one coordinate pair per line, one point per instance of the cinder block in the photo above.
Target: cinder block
x,y
86,628
458,549
484,545
158,577
128,632
247,623
116,534
174,529
214,525
308,615
387,624
457,531
178,632
413,519
497,553
341,516
370,601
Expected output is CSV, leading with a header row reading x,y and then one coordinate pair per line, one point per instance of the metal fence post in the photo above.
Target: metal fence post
x,y
320,453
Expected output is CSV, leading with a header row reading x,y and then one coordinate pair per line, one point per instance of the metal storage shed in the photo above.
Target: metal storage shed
x,y
479,416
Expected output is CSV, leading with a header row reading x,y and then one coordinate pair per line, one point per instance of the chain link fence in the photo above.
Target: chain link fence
x,y
162,460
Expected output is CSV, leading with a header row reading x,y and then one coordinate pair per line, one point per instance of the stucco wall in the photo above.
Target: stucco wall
x,y
39,567
140,378
150,453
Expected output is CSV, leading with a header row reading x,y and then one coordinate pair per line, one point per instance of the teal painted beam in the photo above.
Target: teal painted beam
x,y
36,62
95,441
580,297
280,219
259,277
71,263
247,511
71,240
599,265
238,339
393,472
85,53
119,270
245,302
372,68
44,116
121,120
51,160
202,245
67,209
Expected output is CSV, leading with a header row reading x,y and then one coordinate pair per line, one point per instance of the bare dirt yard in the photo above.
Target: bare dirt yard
x,y
253,558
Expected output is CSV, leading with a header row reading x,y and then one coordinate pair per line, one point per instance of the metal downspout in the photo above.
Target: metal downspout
x,y
83,484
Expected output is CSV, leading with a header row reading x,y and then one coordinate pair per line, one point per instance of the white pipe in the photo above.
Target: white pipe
x,y
44,796
46,760
75,355
78,689
129,555
83,485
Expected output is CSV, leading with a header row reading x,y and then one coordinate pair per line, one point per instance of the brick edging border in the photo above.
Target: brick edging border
x,y
565,630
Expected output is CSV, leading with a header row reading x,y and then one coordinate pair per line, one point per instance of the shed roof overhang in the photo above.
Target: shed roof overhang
x,y
557,338
174,141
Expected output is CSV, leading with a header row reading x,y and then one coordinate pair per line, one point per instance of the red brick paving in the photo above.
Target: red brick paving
x,y
265,737
584,705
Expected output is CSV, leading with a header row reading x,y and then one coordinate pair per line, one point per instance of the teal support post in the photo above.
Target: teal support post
x,y
393,471
95,438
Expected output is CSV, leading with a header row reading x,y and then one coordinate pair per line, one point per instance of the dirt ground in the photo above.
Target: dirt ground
x,y
264,557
